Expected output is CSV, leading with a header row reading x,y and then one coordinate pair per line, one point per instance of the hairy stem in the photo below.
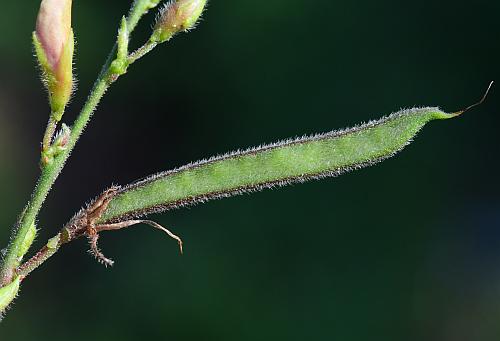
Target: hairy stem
x,y
49,133
47,178
51,171
142,51
38,259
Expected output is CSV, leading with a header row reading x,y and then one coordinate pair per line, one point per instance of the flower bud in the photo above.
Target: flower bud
x,y
177,16
54,45
62,138
59,145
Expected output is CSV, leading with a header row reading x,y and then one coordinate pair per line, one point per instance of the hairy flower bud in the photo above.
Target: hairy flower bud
x,y
177,16
59,145
54,45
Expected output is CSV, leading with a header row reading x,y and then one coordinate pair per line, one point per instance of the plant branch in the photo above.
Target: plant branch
x,y
51,171
279,164
142,51
47,178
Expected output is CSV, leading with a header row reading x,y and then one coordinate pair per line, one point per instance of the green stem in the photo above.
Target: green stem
x,y
142,51
47,178
49,133
51,171
139,8
40,257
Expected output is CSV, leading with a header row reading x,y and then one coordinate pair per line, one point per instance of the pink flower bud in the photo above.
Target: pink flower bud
x,y
54,44
177,16
53,28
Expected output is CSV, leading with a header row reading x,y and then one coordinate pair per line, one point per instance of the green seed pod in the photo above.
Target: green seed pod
x,y
8,293
278,164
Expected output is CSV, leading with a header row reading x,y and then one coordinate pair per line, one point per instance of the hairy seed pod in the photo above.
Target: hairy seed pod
x,y
54,45
279,164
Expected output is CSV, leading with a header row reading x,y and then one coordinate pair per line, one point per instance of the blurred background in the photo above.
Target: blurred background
x,y
406,250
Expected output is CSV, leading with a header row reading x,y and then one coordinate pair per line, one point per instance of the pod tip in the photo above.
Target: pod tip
x,y
458,113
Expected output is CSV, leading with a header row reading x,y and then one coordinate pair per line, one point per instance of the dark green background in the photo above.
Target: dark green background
x,y
406,250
